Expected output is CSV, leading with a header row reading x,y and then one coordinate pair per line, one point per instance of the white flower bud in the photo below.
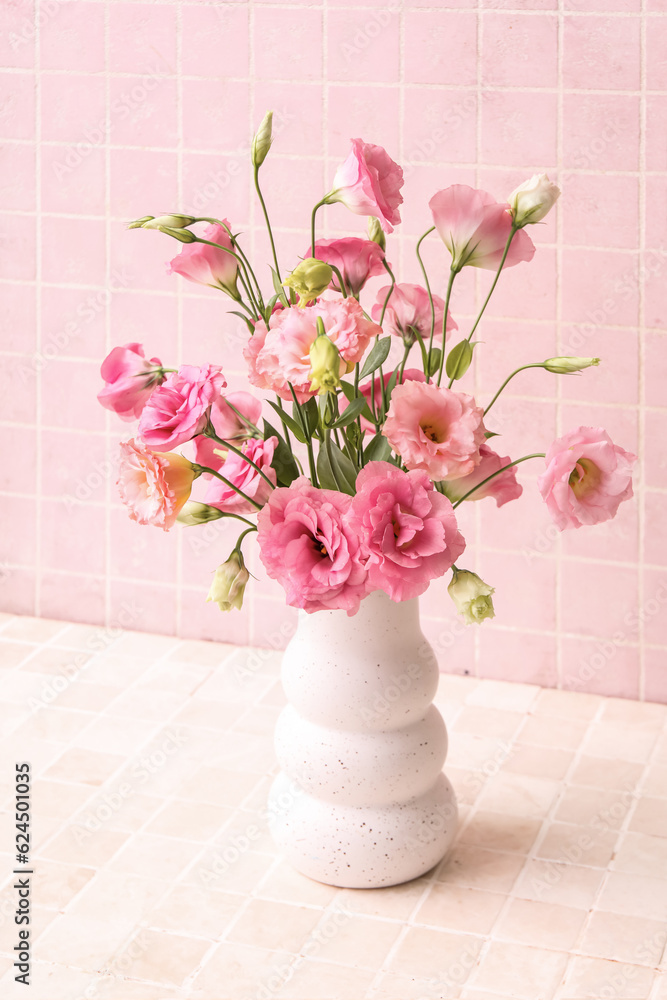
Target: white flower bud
x,y
532,200
471,596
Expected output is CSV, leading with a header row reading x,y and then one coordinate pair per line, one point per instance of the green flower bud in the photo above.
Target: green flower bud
x,y
182,235
170,221
532,200
325,364
194,512
471,596
229,583
376,232
566,366
261,143
309,279
139,223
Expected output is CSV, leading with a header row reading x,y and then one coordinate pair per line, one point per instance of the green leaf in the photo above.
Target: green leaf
x,y
311,413
270,305
334,469
351,412
378,450
391,385
491,434
283,460
292,424
377,356
459,359
435,361
278,288
348,390
246,319
353,436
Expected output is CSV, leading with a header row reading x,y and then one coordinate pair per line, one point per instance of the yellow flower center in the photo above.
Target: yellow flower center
x,y
584,477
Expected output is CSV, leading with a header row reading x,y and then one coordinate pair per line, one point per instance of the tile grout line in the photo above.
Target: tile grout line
x,y
39,249
641,511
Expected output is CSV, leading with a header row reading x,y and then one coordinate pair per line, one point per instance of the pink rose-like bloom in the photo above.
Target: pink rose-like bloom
x,y
503,488
154,487
356,259
586,479
435,429
475,228
409,375
280,354
128,385
178,409
408,530
243,476
408,312
207,265
369,183
227,425
306,544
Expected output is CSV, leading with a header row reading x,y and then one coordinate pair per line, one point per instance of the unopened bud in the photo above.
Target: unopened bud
x,y
471,596
325,365
566,366
261,143
532,200
229,583
309,279
198,513
170,221
182,235
140,223
376,233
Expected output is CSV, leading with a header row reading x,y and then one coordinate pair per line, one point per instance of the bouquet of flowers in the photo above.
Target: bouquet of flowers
x,y
358,488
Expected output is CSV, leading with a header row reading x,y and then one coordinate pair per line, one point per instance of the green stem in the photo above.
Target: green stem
x,y
242,275
266,219
341,283
405,358
360,446
309,442
239,540
285,427
391,289
428,289
509,379
312,224
450,283
249,269
237,451
212,472
494,474
253,427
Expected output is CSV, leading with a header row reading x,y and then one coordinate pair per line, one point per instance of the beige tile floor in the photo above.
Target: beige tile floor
x,y
155,875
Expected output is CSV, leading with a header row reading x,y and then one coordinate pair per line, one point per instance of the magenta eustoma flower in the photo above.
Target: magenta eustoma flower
x,y
244,477
369,182
586,479
435,429
307,545
129,379
475,228
408,531
178,409
356,259
207,265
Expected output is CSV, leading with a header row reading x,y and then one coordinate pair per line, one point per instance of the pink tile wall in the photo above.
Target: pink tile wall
x,y
112,110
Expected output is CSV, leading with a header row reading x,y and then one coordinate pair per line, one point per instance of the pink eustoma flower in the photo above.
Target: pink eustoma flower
x,y
154,487
130,378
408,312
365,390
475,228
408,530
435,429
369,183
206,265
227,425
502,488
586,479
307,545
356,259
279,355
178,409
244,477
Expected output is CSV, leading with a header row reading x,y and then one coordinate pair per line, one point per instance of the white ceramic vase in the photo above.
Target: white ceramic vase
x,y
361,800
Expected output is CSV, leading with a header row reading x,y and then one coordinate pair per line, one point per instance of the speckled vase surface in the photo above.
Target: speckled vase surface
x,y
361,800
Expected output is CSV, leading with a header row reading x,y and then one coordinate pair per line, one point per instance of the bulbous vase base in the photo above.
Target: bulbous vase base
x,y
362,847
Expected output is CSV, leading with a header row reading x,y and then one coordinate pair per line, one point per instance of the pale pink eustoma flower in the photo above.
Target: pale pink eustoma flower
x,y
206,265
503,488
130,378
408,531
365,390
356,259
279,355
306,544
244,477
435,429
408,312
178,409
154,487
586,479
475,228
228,426
369,183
